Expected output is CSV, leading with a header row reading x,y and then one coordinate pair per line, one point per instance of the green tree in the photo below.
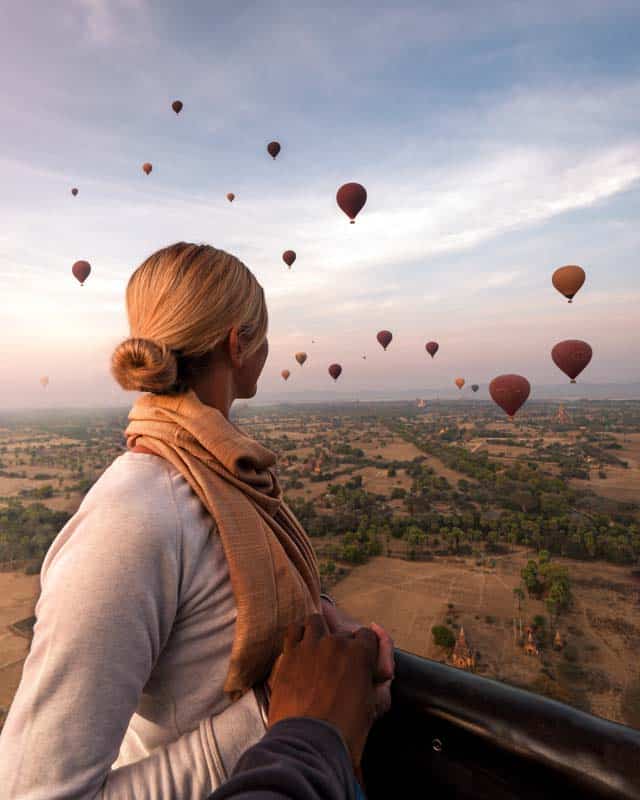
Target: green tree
x,y
443,637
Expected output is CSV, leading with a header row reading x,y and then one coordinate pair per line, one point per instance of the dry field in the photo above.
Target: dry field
x,y
620,484
409,598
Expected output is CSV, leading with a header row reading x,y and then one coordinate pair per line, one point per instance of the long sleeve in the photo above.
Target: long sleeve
x,y
111,585
298,759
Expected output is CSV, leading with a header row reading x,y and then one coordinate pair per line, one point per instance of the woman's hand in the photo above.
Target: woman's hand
x,y
340,622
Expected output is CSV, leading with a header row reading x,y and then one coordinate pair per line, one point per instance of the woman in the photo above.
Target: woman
x,y
165,597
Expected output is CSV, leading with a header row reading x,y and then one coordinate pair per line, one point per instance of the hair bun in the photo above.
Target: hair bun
x,y
145,366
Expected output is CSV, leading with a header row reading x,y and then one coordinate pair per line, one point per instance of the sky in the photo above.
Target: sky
x,y
496,141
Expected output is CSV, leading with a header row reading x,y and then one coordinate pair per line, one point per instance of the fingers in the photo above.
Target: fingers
x,y
386,662
369,642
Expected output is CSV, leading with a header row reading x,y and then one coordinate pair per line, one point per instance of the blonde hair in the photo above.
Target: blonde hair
x,y
182,302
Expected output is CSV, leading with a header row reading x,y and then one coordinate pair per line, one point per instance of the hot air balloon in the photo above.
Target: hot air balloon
x,y
572,356
431,348
509,392
301,358
81,270
384,337
44,380
568,280
147,167
273,149
177,106
289,257
74,191
474,387
351,197
459,382
285,374
231,197
335,371
364,357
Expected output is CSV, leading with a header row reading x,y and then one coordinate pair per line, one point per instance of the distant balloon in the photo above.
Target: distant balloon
x,y
44,380
231,197
509,392
285,374
384,337
364,357
273,148
147,167
351,197
572,356
335,370
177,106
289,257
74,191
431,348
568,280
81,270
474,387
301,358
459,382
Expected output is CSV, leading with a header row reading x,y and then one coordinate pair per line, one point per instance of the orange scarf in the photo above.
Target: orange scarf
x,y
272,566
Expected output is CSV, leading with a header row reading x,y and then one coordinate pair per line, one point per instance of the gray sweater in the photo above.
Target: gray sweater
x,y
121,694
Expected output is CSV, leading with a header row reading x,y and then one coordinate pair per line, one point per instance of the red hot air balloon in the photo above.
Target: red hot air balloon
x,y
285,374
351,197
509,392
459,382
384,337
177,106
572,356
289,257
147,167
273,149
231,197
335,370
74,191
81,270
301,358
568,280
431,348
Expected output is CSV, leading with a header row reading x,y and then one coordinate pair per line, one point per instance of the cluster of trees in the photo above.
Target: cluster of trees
x,y
26,532
548,580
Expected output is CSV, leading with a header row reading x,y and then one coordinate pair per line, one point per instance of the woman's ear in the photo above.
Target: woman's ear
x,y
236,350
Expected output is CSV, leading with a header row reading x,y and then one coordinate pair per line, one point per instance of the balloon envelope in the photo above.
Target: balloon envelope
x,y
44,380
231,197
351,197
285,374
509,392
289,257
384,337
431,348
459,382
301,358
474,387
147,167
572,356
74,191
568,280
81,270
177,106
273,148
335,371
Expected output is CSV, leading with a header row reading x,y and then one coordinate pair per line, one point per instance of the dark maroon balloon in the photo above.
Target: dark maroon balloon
x,y
81,270
273,149
474,387
335,370
177,106
384,337
509,392
572,356
289,257
74,191
432,348
351,198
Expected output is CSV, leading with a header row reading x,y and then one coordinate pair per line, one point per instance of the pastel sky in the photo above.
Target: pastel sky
x,y
497,141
